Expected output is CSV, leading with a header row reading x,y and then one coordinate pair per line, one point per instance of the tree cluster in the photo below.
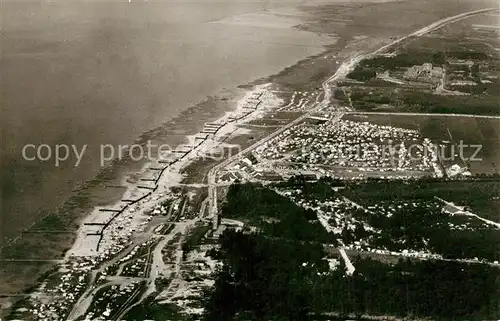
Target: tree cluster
x,y
278,275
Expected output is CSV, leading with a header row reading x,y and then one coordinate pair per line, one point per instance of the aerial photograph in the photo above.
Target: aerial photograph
x,y
250,160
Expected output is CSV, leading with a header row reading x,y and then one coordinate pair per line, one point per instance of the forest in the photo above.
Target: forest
x,y
278,274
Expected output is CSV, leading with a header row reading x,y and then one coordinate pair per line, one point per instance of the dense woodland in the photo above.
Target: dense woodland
x,y
281,273
417,221
279,217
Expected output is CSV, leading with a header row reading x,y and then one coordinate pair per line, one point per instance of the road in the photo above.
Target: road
x,y
342,71
461,211
348,264
328,86
87,297
211,176
433,27
158,266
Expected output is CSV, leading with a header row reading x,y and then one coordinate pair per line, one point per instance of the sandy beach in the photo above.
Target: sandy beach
x,y
113,72
133,215
103,228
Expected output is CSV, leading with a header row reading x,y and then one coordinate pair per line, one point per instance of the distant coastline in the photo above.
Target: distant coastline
x,y
96,194
107,187
114,89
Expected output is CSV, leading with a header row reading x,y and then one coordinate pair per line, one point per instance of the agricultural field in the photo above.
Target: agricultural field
x,y
454,70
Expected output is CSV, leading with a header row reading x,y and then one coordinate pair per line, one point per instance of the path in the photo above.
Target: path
x,y
327,86
461,211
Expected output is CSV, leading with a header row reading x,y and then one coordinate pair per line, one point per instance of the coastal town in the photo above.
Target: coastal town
x,y
372,186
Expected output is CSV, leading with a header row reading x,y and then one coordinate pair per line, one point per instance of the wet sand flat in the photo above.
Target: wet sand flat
x,y
89,73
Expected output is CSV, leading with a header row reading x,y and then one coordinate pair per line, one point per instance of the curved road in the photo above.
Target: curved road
x,y
327,85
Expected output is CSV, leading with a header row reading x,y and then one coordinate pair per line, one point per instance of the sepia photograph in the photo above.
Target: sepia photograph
x,y
250,160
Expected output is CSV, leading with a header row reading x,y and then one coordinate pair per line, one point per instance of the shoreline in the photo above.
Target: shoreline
x,y
231,127
173,91
171,177
331,53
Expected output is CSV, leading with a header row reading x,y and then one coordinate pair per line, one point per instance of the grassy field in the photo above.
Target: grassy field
x,y
477,85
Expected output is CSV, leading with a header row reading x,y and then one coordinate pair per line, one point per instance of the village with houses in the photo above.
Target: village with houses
x,y
376,197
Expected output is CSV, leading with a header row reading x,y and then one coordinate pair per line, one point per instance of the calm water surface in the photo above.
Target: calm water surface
x,y
90,73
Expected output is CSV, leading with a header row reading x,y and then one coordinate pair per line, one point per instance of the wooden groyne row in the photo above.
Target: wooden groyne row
x,y
209,130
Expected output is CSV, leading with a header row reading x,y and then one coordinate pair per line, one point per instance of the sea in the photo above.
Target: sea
x,y
86,74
